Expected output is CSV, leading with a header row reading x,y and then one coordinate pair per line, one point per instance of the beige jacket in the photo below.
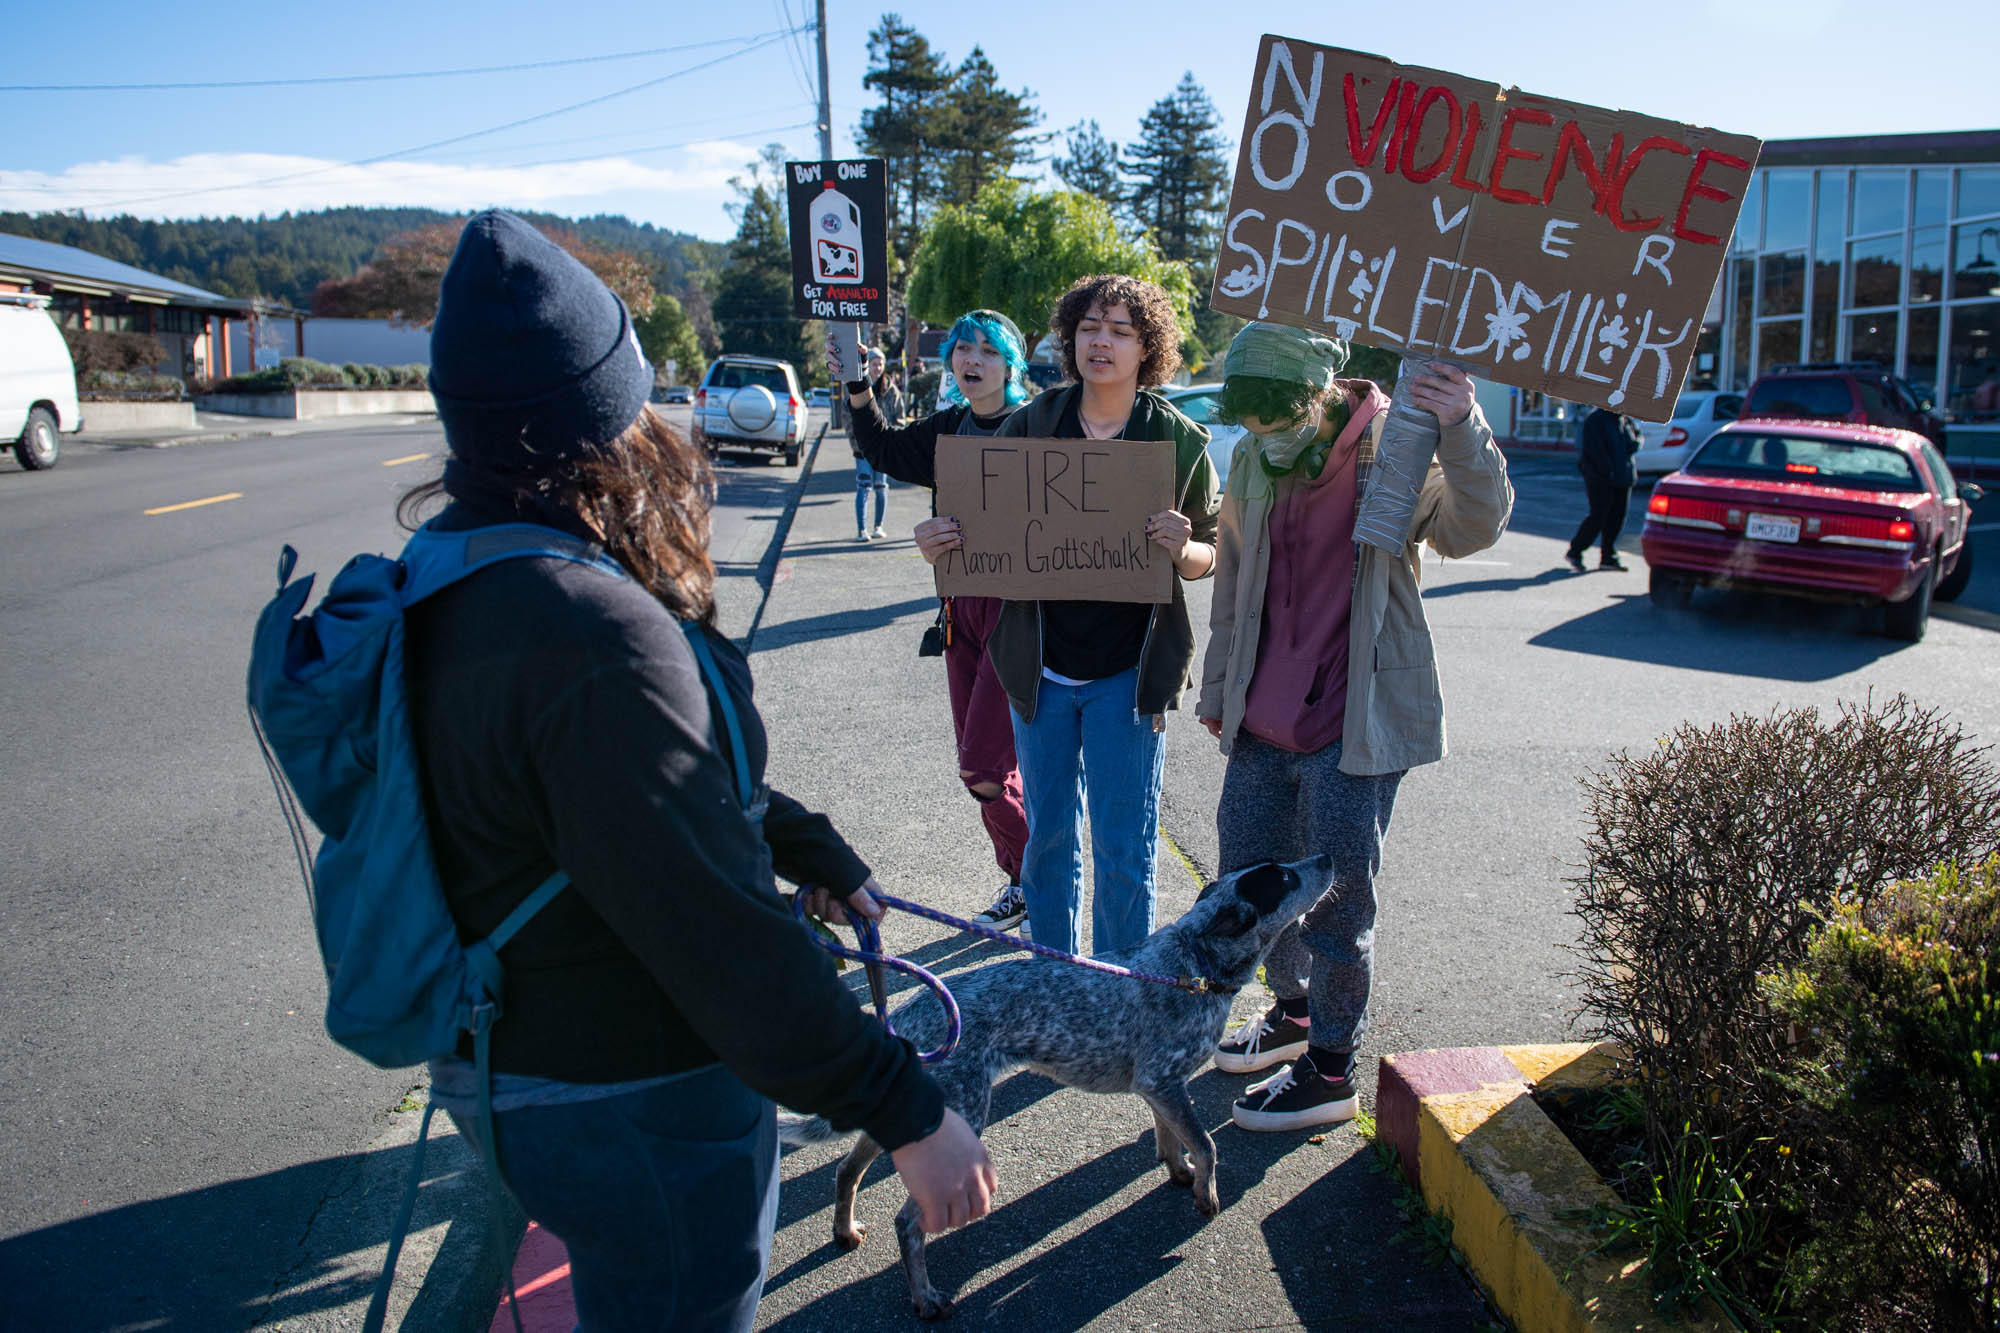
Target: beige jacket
x,y
1395,708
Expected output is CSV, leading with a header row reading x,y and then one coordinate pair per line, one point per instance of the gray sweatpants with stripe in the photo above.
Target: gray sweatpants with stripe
x,y
1281,806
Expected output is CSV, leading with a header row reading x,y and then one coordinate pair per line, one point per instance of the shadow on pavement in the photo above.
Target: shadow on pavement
x,y
1732,633
835,624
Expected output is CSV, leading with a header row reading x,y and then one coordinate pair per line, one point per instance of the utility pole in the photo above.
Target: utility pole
x,y
837,396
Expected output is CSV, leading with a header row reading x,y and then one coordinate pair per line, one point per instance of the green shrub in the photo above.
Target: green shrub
x,y
356,374
271,379
303,372
1904,1042
413,376
97,349
101,386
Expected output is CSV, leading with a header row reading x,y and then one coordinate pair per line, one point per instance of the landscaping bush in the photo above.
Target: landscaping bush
x,y
111,386
414,375
1903,1030
96,349
305,373
302,372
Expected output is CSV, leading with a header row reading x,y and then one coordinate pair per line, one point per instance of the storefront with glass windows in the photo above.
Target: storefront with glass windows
x,y
1883,248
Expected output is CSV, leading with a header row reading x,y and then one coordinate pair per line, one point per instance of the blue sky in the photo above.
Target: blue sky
x,y
663,154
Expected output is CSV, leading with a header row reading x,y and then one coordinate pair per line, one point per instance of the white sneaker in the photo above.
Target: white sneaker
x,y
878,534
862,535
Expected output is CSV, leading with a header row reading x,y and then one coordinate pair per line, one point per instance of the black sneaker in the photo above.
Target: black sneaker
x,y
1295,1097
1008,910
1610,560
1575,560
1268,1039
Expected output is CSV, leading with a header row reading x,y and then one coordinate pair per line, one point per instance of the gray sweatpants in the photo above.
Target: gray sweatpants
x,y
1281,806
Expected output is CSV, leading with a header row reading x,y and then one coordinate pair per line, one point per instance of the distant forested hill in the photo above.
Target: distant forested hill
x,y
286,256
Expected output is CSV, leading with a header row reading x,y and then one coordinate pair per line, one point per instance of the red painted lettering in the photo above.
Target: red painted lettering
x,y
1466,143
1695,189
1365,154
1614,202
1402,130
1572,145
1431,98
1504,151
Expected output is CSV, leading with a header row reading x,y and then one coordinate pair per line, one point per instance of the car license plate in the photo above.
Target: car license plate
x,y
1770,528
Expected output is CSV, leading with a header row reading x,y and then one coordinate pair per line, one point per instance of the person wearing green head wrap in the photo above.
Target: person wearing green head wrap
x,y
1320,679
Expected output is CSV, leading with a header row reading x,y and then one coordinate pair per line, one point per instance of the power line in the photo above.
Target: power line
x,y
368,78
460,138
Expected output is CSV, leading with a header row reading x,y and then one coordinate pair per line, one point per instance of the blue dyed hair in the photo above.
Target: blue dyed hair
x,y
1005,339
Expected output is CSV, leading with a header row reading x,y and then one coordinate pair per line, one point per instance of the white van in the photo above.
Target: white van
x,y
37,381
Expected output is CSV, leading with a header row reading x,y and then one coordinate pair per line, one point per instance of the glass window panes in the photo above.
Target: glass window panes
x,y
1927,264
1978,191
1920,364
1933,195
1782,289
1778,342
1788,196
1830,223
1976,260
1972,363
1743,283
1748,226
1872,338
1825,324
1878,201
1875,271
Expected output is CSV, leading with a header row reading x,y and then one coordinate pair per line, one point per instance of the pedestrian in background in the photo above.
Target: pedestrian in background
x,y
660,1003
1321,681
988,362
869,479
1605,458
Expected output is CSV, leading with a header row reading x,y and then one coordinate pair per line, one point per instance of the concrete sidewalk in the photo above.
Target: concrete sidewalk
x,y
1087,1231
212,427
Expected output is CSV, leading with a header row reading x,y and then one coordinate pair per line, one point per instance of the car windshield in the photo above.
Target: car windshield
x,y
743,377
1871,467
1687,408
1801,396
1198,406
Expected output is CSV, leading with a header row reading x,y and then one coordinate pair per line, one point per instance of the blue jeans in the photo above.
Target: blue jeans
x,y
1089,744
666,1199
867,479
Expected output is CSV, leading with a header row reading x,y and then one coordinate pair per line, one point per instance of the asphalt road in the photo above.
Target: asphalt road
x,y
176,1119
179,1128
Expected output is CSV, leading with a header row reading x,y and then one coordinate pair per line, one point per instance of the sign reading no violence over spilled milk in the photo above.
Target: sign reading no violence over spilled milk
x,y
1544,244
1055,520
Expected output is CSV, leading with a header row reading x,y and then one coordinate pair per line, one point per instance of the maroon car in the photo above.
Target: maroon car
x,y
1813,509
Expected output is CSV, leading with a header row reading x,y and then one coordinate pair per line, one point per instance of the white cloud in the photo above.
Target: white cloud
x,y
686,196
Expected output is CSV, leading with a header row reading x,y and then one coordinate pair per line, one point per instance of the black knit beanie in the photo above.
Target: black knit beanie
x,y
533,359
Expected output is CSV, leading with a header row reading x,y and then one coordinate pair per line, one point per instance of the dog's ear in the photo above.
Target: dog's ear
x,y
1208,889
1232,919
1266,886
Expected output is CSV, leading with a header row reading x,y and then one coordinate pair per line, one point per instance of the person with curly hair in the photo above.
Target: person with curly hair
x,y
1090,682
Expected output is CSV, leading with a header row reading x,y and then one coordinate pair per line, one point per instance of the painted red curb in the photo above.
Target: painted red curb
x,y
541,1284
1406,1078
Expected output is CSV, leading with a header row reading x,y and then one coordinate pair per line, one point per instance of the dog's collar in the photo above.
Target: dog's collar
x,y
1202,985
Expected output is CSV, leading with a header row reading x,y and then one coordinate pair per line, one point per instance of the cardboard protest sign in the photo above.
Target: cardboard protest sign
x,y
1547,245
840,238
1055,520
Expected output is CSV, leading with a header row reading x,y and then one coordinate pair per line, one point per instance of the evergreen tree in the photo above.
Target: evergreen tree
x,y
1179,169
908,74
753,296
981,129
1092,165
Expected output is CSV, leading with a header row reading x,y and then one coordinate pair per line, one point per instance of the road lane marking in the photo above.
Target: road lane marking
x,y
407,458
196,504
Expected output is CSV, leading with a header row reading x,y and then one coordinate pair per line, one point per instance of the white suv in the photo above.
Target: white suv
x,y
751,403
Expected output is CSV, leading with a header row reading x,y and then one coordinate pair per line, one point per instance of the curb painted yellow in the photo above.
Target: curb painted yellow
x,y
1508,1180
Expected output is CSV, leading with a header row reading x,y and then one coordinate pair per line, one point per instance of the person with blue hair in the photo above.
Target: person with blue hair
x,y
987,369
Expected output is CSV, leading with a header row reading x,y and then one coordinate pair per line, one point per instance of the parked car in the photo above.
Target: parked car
x,y
1199,402
1699,413
819,397
751,403
1822,510
674,393
1861,392
37,382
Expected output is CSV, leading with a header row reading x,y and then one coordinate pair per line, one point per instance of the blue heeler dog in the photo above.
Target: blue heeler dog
x,y
1094,1031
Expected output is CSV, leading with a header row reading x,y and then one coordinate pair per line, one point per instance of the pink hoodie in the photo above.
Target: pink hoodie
x,y
1298,692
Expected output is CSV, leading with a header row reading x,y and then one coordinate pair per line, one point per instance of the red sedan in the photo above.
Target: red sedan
x,y
1814,509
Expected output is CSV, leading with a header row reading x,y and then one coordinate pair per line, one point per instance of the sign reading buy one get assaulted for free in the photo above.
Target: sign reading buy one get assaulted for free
x,y
837,213
1546,245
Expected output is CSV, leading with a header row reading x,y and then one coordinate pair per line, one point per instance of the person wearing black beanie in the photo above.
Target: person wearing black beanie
x,y
660,1004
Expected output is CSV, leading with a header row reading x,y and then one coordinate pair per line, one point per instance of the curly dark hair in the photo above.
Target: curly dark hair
x,y
649,493
1269,400
1152,313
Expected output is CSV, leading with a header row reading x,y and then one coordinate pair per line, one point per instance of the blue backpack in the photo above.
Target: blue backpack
x,y
331,712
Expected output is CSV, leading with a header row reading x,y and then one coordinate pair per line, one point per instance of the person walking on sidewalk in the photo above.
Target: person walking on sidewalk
x,y
869,479
988,361
1606,460
1090,682
1320,680
560,719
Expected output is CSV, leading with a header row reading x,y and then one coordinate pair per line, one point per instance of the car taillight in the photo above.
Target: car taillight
x,y
1808,468
1686,512
1902,530
1659,504
1676,438
793,403
1891,534
701,397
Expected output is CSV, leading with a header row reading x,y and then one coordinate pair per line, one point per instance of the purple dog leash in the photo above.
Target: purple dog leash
x,y
870,953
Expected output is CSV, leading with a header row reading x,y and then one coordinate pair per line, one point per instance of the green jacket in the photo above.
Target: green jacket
x,y
1015,645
